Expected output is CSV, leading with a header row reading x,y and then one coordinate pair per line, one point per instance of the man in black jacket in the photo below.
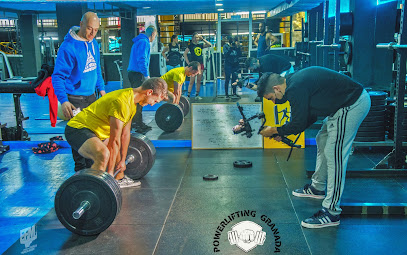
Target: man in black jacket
x,y
268,63
232,53
312,92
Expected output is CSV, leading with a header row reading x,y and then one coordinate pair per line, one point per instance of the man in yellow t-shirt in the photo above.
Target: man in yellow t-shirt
x,y
101,131
176,77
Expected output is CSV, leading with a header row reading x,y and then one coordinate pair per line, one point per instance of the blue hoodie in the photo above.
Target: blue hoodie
x,y
140,55
77,68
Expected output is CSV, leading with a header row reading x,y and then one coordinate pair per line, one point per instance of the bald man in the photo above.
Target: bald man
x,y
77,74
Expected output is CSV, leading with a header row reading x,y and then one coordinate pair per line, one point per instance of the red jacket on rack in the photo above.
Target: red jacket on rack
x,y
45,88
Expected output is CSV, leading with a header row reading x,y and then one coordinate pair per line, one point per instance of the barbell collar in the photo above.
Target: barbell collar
x,y
391,46
85,205
129,159
303,53
332,46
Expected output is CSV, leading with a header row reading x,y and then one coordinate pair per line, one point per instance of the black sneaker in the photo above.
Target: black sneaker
x,y
309,191
258,99
321,219
140,129
146,127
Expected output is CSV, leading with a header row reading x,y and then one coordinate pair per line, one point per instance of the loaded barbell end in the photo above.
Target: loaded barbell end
x,y
129,159
85,205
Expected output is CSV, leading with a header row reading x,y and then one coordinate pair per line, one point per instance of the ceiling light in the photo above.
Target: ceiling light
x,y
258,12
221,10
219,4
146,7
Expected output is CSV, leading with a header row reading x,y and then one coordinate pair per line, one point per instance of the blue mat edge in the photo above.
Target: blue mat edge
x,y
156,143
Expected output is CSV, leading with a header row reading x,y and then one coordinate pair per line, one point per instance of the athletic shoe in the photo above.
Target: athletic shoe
x,y
321,219
198,98
147,127
227,97
309,191
236,96
258,99
127,182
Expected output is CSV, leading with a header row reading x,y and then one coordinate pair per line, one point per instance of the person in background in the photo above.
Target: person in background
x,y
173,58
176,77
196,45
77,74
264,40
232,53
138,70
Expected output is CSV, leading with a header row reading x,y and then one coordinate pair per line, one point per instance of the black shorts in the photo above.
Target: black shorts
x,y
77,137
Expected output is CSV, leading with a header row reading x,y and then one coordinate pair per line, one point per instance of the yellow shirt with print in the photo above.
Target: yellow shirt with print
x,y
177,74
118,104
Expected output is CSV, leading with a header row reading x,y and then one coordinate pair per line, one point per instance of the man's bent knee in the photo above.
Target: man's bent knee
x,y
102,155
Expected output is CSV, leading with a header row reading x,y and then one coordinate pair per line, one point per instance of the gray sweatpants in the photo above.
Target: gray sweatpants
x,y
334,143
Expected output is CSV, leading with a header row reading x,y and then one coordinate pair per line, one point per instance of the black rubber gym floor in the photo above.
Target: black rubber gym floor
x,y
176,212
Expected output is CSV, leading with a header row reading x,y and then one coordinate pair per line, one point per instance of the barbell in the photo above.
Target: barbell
x,y
169,117
88,202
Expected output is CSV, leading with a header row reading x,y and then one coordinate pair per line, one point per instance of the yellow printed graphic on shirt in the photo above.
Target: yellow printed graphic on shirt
x,y
198,51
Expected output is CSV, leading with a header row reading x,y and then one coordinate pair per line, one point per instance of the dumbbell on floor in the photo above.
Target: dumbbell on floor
x,y
88,202
169,117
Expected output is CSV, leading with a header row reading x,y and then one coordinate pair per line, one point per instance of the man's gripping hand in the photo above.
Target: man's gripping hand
x,y
67,109
121,166
269,132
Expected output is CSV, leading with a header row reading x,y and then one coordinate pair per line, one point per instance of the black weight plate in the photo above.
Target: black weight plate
x,y
347,55
371,129
376,103
374,118
95,187
169,117
143,151
377,108
181,104
242,164
376,113
115,186
210,177
369,139
370,133
377,95
373,124
186,105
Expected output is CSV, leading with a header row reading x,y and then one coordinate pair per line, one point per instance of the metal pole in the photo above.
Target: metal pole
x,y
250,32
336,33
291,31
326,35
400,91
219,50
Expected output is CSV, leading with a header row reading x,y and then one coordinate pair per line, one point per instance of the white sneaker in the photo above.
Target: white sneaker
x,y
198,98
127,182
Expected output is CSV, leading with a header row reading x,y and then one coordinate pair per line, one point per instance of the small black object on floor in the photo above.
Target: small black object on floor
x,y
242,164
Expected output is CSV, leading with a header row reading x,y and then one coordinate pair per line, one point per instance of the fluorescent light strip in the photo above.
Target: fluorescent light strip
x,y
255,12
242,33
219,4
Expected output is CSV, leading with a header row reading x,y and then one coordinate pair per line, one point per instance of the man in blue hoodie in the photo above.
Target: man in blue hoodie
x,y
77,74
138,70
